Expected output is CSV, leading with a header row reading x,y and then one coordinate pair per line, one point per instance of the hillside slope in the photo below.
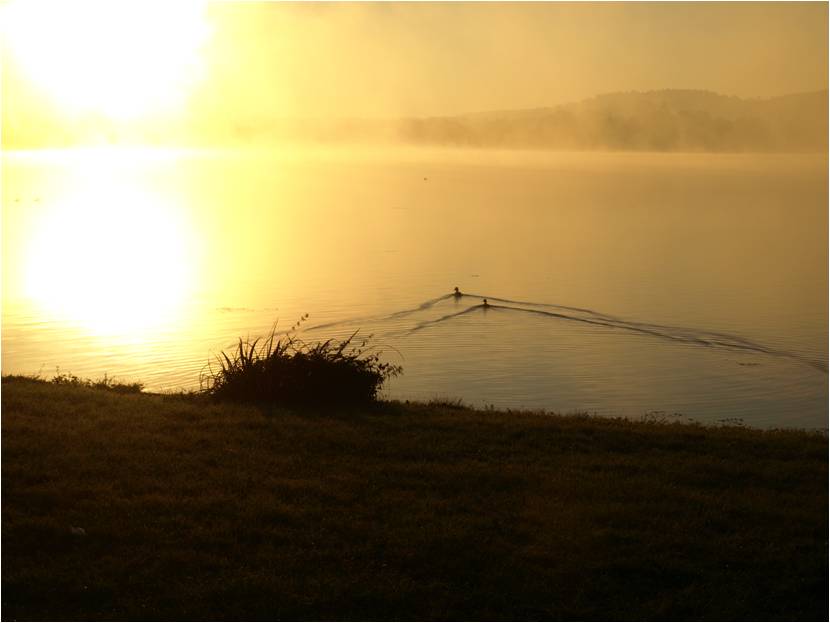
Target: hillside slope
x,y
670,120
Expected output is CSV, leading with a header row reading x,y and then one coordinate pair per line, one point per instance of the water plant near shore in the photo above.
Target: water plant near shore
x,y
283,369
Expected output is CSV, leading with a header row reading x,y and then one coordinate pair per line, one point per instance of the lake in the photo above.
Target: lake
x,y
618,284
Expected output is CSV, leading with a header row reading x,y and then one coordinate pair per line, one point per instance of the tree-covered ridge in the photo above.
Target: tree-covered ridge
x,y
668,120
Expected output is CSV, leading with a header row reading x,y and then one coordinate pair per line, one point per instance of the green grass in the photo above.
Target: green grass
x,y
198,510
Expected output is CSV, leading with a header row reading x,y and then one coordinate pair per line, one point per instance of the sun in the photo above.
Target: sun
x,y
121,60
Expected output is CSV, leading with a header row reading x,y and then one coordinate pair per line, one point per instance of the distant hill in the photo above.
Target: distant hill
x,y
669,120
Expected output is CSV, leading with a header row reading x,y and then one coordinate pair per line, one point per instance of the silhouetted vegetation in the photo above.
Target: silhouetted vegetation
x,y
669,120
664,121
105,382
153,507
285,370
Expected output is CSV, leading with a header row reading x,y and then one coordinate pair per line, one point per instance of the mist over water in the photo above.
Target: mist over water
x,y
496,74
617,283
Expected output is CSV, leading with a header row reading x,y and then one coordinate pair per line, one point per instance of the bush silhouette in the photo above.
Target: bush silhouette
x,y
286,370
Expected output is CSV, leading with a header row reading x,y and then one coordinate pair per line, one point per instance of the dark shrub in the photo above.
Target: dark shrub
x,y
63,378
288,371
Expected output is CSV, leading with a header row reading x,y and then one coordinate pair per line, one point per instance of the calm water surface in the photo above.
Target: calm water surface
x,y
619,284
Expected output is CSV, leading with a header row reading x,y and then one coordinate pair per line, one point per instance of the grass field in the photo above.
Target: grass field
x,y
140,506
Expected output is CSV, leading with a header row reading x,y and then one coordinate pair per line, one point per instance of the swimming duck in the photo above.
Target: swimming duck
x,y
485,303
457,293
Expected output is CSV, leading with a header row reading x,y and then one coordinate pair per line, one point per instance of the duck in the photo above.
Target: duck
x,y
485,303
457,294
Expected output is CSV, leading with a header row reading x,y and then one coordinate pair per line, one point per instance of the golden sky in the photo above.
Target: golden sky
x,y
86,64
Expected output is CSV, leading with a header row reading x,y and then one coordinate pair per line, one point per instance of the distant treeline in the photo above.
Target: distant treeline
x,y
654,121
670,120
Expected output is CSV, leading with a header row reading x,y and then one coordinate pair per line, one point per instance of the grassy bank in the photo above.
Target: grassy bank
x,y
183,509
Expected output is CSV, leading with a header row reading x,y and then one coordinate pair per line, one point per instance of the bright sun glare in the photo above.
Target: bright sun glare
x,y
118,59
111,256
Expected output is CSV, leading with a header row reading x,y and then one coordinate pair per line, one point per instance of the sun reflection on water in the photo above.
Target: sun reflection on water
x,y
110,255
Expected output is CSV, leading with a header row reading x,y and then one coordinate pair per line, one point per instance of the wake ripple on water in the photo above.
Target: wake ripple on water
x,y
383,317
696,337
548,305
